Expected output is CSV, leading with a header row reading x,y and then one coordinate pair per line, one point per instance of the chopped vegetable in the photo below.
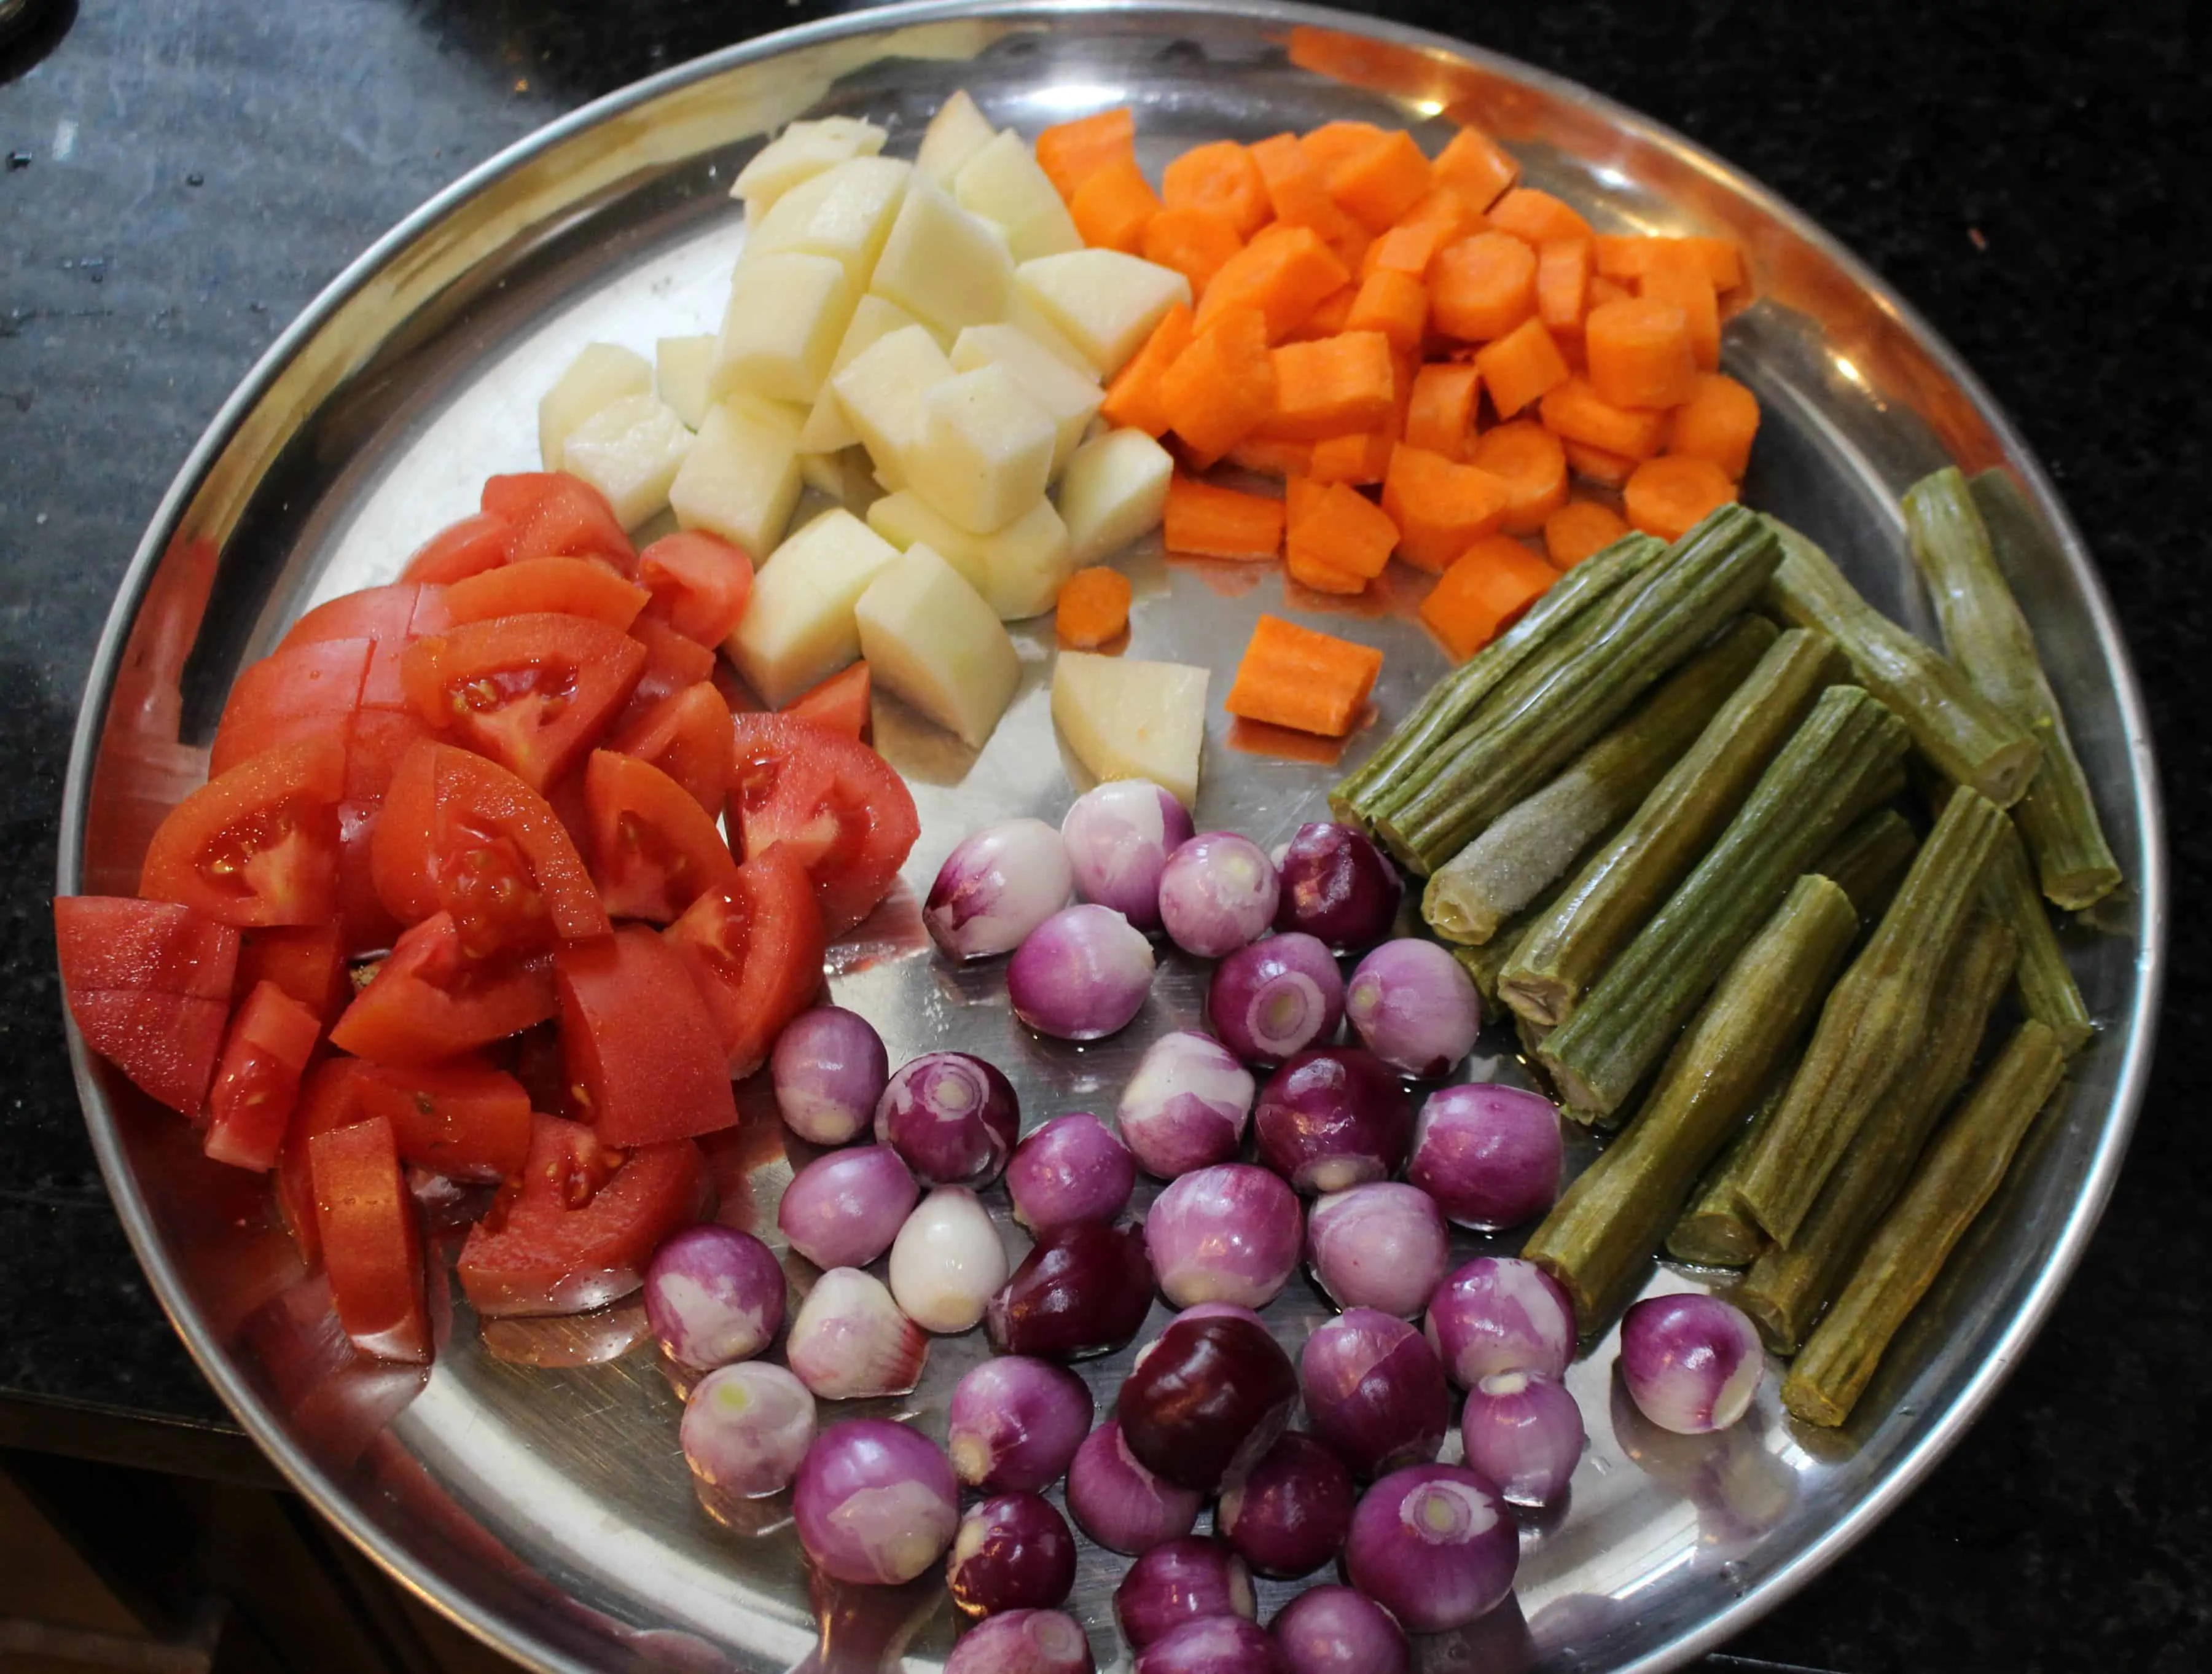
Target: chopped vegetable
x,y
1093,608
1667,496
1069,152
1220,389
2048,992
1440,416
1870,860
1483,592
1216,523
1299,678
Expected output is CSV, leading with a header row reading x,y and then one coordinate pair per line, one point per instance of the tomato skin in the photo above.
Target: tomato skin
x,y
755,953
390,618
575,1229
258,1080
840,703
380,742
672,663
325,1102
687,736
556,515
429,1001
256,845
461,1118
474,543
148,983
363,923
643,1058
534,692
302,691
564,587
654,851
700,583
372,1248
837,804
306,961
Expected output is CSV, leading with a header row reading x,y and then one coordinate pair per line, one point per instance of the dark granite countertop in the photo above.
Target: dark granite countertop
x,y
180,177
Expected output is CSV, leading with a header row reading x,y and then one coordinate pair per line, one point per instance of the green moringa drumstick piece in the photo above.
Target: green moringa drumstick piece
x,y
1875,1023
1533,843
2048,991
1713,1229
1786,1289
1621,886
1869,862
1973,741
1599,1237
1963,1168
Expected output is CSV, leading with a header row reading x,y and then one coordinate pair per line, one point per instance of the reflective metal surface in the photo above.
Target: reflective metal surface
x,y
533,1487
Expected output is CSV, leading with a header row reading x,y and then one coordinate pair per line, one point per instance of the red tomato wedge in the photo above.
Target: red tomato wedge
x,y
372,1248
672,663
380,742
567,586
756,953
148,983
463,835
700,583
555,516
534,692
577,1225
463,1118
644,1060
459,550
654,851
840,703
301,691
257,1081
390,617
689,737
325,1102
429,1001
256,845
364,925
835,803
306,961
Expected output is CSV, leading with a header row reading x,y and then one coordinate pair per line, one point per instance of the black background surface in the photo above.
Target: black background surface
x,y
182,176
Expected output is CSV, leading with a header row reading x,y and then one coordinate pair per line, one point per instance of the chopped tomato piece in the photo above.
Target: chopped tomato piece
x,y
256,845
325,1102
556,515
566,586
644,1062
372,1248
380,742
755,953
300,693
700,583
840,703
463,1118
257,1081
654,851
390,617
687,736
429,1000
837,804
577,1225
306,961
148,983
474,545
672,663
364,925
534,692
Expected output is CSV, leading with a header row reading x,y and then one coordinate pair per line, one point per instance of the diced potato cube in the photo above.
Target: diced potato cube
x,y
630,451
1003,183
798,628
1025,316
1129,720
929,638
799,153
601,375
956,133
1106,302
787,312
985,449
741,478
680,366
823,472
828,429
844,213
942,265
882,392
1068,396
1112,492
1020,569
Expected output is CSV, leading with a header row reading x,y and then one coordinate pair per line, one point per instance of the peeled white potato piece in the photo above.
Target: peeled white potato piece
x,y
956,133
680,366
945,266
1105,303
1126,719
787,312
798,628
601,375
985,452
799,153
1068,396
930,638
1020,569
828,429
630,451
882,391
1025,316
1003,183
844,213
740,479
1112,493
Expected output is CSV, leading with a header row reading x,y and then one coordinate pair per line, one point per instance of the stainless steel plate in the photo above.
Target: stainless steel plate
x,y
546,1505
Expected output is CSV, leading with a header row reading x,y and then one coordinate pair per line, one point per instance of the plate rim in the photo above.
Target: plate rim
x,y
2131,1078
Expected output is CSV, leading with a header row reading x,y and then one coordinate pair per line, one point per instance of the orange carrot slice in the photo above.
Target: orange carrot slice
x,y
1295,676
